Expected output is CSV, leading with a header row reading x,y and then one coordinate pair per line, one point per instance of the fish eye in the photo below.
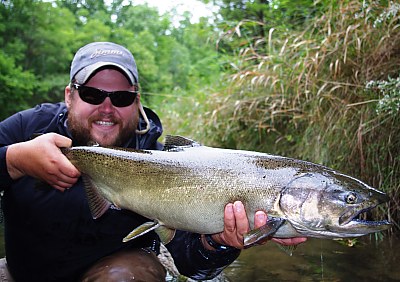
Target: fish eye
x,y
351,198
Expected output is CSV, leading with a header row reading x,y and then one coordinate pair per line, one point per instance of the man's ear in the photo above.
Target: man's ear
x,y
67,96
138,97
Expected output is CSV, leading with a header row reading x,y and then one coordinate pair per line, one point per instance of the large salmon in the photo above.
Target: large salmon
x,y
187,186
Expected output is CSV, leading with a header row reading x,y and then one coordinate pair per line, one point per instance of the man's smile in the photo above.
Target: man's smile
x,y
104,123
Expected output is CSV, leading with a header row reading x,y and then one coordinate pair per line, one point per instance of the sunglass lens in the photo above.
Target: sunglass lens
x,y
91,95
96,96
122,98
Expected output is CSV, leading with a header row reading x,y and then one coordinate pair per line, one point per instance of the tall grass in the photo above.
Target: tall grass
x,y
309,95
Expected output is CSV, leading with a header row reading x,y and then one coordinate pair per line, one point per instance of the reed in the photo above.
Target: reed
x,y
314,95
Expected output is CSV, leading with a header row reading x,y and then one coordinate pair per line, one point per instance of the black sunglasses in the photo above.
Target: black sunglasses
x,y
97,96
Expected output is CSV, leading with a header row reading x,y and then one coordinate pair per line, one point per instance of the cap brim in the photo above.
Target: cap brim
x,y
84,74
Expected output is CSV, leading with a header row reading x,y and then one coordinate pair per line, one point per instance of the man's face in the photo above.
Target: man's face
x,y
105,124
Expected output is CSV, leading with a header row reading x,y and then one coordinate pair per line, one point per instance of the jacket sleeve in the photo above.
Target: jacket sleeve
x,y
21,126
193,260
5,179
10,133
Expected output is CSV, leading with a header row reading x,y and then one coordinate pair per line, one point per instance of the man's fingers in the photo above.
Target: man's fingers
x,y
61,141
229,218
236,225
260,219
41,158
61,189
66,181
68,169
242,223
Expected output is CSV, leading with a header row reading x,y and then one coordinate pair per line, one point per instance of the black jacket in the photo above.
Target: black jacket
x,y
51,236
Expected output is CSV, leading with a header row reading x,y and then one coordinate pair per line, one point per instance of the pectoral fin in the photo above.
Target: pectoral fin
x,y
97,203
141,230
263,232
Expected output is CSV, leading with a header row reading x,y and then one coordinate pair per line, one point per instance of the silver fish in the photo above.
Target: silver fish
x,y
187,186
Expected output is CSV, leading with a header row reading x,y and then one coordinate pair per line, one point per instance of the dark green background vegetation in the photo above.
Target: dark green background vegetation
x,y
315,80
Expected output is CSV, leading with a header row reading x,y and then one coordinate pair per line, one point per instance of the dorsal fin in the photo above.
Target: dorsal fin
x,y
174,141
93,144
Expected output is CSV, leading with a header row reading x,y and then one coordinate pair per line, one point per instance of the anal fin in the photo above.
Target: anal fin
x,y
166,234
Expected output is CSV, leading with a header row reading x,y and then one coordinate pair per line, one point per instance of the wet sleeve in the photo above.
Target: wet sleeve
x,y
193,260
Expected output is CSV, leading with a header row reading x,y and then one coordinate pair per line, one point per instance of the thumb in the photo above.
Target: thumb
x,y
61,141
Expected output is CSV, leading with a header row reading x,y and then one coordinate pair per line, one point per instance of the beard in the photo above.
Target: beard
x,y
81,131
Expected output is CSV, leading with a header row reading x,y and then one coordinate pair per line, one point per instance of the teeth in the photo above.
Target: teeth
x,y
106,123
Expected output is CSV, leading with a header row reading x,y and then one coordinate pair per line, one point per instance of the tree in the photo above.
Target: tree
x,y
15,85
42,37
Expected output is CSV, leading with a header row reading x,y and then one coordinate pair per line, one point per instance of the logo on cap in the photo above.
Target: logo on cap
x,y
100,52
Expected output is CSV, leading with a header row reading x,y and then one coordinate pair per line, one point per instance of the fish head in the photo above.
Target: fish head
x,y
328,205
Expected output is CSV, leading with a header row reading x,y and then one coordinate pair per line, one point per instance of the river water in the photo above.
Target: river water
x,y
320,260
314,260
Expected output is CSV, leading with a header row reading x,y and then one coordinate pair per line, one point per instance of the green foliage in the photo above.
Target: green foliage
x,y
316,80
301,93
36,40
41,38
389,90
271,12
15,85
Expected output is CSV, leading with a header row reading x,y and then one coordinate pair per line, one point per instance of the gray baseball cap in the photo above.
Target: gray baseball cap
x,y
95,55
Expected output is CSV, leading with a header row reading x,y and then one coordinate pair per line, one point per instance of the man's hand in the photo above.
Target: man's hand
x,y
236,226
41,158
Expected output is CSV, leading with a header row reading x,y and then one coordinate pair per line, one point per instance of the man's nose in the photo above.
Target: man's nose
x,y
106,106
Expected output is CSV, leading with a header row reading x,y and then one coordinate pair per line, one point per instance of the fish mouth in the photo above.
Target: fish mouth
x,y
354,221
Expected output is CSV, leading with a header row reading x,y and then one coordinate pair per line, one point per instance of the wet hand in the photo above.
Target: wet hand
x,y
236,225
41,158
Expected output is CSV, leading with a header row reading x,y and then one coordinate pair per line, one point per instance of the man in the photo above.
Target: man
x,y
50,234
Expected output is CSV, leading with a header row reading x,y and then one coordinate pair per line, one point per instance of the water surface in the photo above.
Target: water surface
x,y
320,260
314,260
